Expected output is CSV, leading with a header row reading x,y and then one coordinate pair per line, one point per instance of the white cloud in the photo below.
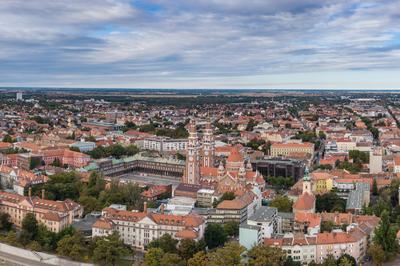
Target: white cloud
x,y
204,41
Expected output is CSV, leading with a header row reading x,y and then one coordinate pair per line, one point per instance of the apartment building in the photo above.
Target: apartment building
x,y
353,242
229,210
286,149
163,144
206,197
55,215
262,224
65,156
18,178
139,228
301,248
305,248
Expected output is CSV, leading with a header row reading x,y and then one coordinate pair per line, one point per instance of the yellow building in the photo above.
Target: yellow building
x,y
284,149
322,182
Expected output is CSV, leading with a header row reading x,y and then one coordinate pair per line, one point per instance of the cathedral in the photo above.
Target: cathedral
x,y
235,175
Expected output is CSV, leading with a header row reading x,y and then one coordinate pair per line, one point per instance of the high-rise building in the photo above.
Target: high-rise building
x,y
19,96
192,171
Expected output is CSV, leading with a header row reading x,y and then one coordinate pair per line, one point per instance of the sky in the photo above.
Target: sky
x,y
299,44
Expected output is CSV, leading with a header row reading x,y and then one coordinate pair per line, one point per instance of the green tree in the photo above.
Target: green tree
x,y
74,149
172,259
282,203
377,254
214,235
8,138
255,143
322,135
12,239
130,125
29,229
290,262
329,261
330,202
349,260
109,250
188,247
89,204
5,223
266,255
165,242
34,162
280,182
327,226
153,257
116,150
34,245
47,239
231,228
380,207
147,128
359,156
198,259
229,255
385,235
73,246
374,188
131,150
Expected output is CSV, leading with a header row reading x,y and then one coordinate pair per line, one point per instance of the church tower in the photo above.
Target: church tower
x,y
307,182
208,146
192,171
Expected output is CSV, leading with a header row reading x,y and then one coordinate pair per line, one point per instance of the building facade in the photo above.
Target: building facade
x,y
163,144
55,215
192,170
137,229
285,149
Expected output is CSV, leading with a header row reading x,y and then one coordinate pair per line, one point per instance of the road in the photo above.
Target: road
x,y
12,260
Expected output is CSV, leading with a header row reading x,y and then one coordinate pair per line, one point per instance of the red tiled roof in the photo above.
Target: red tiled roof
x,y
103,223
304,202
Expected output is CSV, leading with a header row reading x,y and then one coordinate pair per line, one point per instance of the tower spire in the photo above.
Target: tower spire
x,y
192,170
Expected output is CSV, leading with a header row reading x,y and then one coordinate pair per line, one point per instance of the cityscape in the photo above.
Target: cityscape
x,y
197,133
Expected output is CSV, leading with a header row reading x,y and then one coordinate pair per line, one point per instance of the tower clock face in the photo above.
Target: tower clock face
x,y
206,152
191,159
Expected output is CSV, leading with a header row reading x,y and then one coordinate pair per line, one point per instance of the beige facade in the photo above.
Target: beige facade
x,y
140,228
55,215
285,149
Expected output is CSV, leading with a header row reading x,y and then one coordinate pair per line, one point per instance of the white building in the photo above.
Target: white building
x,y
375,161
139,228
261,225
19,96
163,144
302,248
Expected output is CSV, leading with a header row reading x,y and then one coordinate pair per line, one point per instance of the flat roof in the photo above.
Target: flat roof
x,y
264,214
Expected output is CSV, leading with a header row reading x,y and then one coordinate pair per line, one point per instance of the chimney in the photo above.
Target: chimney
x,y
162,208
145,207
30,192
42,193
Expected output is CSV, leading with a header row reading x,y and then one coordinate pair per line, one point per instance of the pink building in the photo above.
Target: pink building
x,y
353,242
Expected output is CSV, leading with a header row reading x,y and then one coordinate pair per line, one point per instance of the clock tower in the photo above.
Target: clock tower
x,y
208,146
192,170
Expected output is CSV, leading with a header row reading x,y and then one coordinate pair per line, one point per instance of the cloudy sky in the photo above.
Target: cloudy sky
x,y
200,43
